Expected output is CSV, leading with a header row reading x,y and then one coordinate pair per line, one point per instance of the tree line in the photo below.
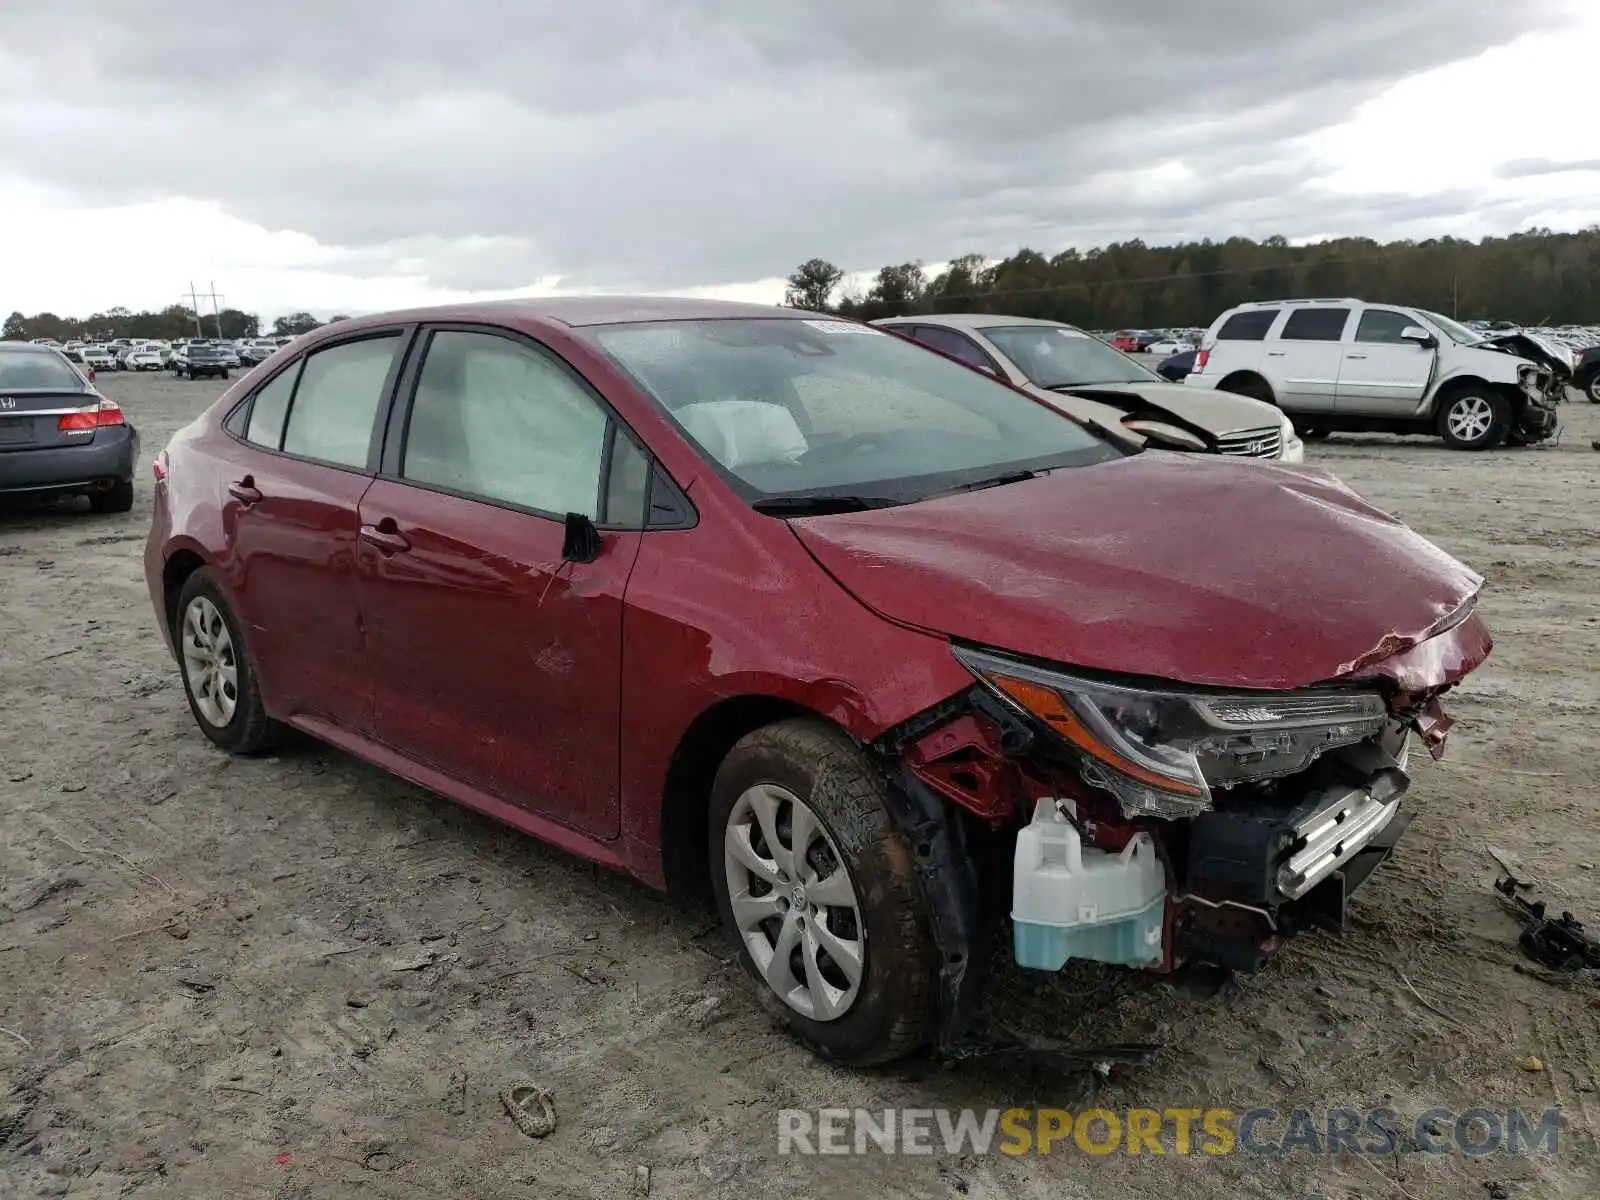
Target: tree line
x,y
174,321
1532,278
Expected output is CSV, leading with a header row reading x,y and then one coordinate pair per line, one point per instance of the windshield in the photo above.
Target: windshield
x,y
1054,356
1453,330
808,408
34,371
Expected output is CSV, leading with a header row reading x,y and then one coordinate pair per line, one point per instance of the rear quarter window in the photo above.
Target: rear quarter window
x,y
1246,326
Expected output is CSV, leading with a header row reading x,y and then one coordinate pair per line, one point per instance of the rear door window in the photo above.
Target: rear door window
x,y
1246,326
332,413
1315,325
954,344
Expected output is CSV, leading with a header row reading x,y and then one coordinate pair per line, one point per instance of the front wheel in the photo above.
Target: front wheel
x,y
1591,388
218,675
817,890
1475,419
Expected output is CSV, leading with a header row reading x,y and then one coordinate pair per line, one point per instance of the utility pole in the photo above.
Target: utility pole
x,y
194,298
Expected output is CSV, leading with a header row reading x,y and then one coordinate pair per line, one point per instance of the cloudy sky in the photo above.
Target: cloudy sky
x,y
351,155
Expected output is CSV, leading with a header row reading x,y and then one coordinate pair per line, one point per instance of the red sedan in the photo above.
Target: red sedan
x,y
874,648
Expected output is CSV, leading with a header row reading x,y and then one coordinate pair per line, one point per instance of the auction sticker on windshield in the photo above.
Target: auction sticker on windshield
x,y
841,327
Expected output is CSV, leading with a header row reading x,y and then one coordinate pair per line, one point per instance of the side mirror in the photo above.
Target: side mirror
x,y
1419,335
582,543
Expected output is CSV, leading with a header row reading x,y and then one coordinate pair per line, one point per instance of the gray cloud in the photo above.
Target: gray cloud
x,y
673,143
1530,168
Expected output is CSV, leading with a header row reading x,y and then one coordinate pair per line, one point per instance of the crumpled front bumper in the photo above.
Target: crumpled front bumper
x,y
1254,875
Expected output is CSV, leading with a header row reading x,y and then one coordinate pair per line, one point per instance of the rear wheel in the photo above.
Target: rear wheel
x,y
1474,419
118,498
1253,386
817,890
218,676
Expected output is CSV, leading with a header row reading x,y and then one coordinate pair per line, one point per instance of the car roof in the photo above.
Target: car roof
x,y
581,311
31,348
968,320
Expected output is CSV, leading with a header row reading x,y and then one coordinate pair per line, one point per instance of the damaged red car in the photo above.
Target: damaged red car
x,y
880,652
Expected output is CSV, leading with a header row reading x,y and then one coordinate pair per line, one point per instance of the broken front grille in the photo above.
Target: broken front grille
x,y
1251,443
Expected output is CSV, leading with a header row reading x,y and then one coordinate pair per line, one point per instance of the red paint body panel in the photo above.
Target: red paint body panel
x,y
1212,572
736,607
493,659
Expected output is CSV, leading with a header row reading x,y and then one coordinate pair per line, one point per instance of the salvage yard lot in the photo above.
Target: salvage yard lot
x,y
297,976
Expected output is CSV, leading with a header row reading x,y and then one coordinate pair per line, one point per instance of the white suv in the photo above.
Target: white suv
x,y
1349,365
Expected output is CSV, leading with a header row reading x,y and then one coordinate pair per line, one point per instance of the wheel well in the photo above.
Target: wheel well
x,y
693,769
179,567
1238,381
1454,386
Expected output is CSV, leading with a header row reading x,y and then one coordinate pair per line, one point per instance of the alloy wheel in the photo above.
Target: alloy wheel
x,y
794,902
1594,388
1469,418
209,663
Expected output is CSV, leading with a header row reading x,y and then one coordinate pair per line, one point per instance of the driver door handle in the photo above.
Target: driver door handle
x,y
1355,355
386,537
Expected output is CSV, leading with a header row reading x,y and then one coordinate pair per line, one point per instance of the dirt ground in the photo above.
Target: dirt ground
x,y
298,977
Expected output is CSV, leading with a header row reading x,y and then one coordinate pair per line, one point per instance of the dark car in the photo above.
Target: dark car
x,y
58,434
1175,368
784,608
198,359
1586,374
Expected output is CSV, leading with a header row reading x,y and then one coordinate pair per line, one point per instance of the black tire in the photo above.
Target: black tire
x,y
1483,401
1590,387
1312,434
118,498
249,730
224,374
894,1007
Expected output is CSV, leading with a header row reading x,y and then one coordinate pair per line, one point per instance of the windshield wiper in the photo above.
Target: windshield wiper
x,y
820,505
978,485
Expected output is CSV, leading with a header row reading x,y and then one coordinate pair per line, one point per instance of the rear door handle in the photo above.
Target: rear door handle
x,y
245,490
386,540
1355,355
1276,353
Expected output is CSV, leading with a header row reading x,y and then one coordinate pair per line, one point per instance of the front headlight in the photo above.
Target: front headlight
x,y
1160,753
1293,449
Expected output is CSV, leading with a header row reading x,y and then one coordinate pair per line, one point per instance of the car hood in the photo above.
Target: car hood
x,y
1182,567
1213,411
1530,346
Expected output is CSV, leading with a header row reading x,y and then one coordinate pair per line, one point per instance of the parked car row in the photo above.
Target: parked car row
x,y
873,643
148,354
